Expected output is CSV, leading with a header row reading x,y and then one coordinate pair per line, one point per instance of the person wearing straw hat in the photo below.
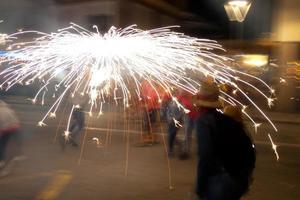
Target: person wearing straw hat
x,y
213,181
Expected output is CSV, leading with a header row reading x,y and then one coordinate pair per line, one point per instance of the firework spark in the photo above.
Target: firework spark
x,y
78,61
94,64
274,147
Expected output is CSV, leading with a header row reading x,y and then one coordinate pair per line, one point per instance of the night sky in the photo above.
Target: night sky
x,y
213,13
210,10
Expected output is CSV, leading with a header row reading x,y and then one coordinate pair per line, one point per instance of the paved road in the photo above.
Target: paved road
x,y
116,169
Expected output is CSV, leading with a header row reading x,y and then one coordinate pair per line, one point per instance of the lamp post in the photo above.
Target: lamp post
x,y
237,11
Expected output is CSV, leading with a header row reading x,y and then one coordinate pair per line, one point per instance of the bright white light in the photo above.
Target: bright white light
x,y
255,60
89,64
238,3
237,10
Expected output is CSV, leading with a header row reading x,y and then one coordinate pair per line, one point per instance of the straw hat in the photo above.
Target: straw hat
x,y
208,96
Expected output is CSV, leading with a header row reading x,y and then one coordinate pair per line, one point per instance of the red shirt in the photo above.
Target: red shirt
x,y
151,95
186,100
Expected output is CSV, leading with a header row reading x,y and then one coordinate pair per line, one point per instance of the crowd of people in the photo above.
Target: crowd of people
x,y
226,154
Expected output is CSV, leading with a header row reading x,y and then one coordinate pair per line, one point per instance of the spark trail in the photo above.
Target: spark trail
x,y
76,61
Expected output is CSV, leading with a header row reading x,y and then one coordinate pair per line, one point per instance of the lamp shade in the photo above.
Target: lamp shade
x,y
237,10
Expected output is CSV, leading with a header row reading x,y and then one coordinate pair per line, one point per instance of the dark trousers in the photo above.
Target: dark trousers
x,y
190,125
172,132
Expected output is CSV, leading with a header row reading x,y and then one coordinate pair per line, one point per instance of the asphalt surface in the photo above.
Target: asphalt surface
x,y
117,167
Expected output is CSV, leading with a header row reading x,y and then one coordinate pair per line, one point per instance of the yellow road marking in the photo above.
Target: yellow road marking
x,y
55,187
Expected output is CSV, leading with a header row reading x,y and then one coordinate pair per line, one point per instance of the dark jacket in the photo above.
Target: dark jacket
x,y
207,162
173,112
211,171
78,117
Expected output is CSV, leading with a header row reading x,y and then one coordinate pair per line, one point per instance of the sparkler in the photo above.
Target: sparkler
x,y
78,61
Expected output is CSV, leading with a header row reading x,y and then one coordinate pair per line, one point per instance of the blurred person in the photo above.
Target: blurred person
x,y
235,112
9,132
164,108
226,156
151,106
76,126
185,98
174,118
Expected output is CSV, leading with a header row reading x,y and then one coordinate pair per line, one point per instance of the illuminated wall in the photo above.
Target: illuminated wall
x,y
286,22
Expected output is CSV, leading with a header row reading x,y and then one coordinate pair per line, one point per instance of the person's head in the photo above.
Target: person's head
x,y
207,96
235,112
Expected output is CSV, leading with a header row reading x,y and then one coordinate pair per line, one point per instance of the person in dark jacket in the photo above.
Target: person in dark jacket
x,y
76,126
174,120
213,182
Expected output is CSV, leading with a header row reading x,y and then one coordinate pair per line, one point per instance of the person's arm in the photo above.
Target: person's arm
x,y
204,155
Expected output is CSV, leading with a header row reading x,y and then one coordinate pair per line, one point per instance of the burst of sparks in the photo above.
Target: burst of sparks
x,y
282,80
234,92
41,124
272,91
52,115
256,125
274,147
180,106
270,102
117,61
67,135
177,123
75,61
98,142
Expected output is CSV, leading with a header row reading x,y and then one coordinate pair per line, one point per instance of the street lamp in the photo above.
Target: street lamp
x,y
237,10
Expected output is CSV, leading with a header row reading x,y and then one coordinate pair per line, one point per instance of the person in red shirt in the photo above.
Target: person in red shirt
x,y
152,95
185,98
